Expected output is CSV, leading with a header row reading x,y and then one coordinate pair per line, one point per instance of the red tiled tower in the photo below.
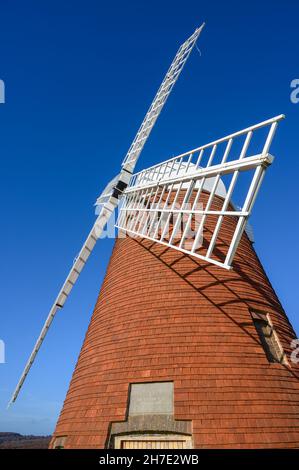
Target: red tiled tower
x,y
163,316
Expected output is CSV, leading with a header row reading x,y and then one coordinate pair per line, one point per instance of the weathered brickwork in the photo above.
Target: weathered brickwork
x,y
162,315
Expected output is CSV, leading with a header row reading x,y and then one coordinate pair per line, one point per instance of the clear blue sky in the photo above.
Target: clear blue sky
x,y
79,77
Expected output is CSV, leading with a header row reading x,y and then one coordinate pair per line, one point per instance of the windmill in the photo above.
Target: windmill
x,y
183,206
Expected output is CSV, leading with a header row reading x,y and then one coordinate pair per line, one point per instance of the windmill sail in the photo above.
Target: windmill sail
x,y
151,116
113,193
159,199
161,97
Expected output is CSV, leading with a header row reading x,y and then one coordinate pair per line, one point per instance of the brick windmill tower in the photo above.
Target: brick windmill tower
x,y
188,345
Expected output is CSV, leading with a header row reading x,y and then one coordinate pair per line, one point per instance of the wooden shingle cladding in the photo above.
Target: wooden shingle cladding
x,y
164,316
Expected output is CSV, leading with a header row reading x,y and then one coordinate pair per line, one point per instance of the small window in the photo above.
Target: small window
x,y
59,442
268,337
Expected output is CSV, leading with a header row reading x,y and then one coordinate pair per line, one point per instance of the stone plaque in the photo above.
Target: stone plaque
x,y
151,398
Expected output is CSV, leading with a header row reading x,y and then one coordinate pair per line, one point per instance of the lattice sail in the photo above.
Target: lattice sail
x,y
152,114
166,204
161,97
